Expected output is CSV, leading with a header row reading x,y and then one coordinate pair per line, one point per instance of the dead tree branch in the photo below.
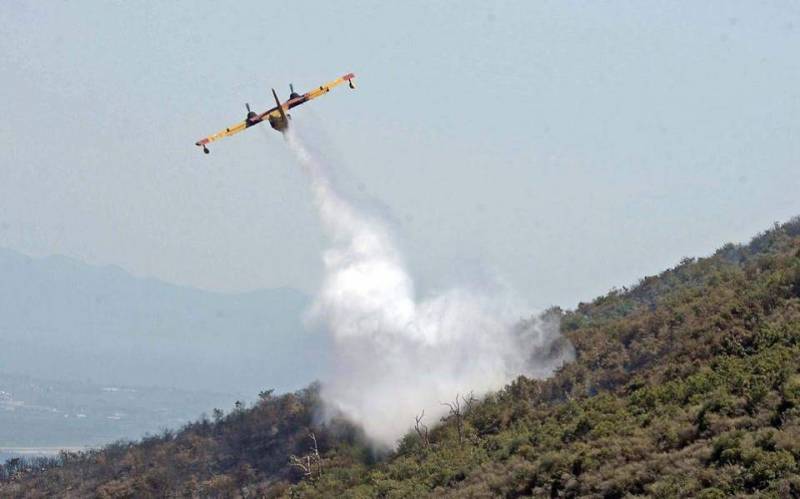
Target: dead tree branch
x,y
309,463
422,429
317,457
456,413
302,463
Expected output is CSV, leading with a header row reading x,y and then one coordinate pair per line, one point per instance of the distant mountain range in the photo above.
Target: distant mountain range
x,y
67,320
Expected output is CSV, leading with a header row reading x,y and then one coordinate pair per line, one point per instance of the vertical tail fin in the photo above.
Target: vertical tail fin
x,y
280,107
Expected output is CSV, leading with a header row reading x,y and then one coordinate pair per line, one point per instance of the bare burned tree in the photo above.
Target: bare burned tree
x,y
317,457
422,429
302,463
469,401
457,410
311,463
457,414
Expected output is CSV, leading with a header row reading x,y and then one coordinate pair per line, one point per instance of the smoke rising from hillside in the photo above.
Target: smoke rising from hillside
x,y
394,354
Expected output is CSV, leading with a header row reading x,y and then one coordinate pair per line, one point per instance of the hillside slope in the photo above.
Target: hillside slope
x,y
688,384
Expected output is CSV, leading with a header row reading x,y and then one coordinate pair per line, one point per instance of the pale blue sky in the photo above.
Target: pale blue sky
x,y
567,146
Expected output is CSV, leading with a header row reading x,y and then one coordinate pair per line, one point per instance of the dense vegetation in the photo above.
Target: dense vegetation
x,y
688,384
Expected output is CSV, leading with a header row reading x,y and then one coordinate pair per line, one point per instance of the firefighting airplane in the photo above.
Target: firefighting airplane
x,y
277,116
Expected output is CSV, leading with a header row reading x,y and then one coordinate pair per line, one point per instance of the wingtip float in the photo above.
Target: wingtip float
x,y
278,117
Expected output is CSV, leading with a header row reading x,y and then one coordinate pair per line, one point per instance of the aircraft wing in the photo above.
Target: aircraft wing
x,y
231,130
321,90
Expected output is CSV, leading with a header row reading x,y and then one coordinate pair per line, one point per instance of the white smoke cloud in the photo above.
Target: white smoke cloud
x,y
396,355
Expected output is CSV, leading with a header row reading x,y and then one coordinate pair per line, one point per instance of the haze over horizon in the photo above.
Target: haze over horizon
x,y
567,150
61,319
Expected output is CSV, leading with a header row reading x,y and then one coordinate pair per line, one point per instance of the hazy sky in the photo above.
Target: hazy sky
x,y
566,146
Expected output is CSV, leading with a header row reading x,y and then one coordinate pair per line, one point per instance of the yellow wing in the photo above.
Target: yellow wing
x,y
231,130
321,90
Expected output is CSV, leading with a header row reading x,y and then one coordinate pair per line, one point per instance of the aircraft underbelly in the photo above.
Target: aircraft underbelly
x,y
278,123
